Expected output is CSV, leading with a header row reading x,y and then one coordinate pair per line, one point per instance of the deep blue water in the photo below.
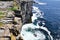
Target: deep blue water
x,y
52,15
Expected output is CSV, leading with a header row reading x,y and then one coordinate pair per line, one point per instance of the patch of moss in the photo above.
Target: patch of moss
x,y
1,13
2,17
1,24
13,8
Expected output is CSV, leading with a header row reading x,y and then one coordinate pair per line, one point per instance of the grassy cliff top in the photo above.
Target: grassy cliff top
x,y
1,24
2,15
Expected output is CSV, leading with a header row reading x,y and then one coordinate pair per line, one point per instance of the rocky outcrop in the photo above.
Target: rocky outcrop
x,y
26,11
6,4
18,17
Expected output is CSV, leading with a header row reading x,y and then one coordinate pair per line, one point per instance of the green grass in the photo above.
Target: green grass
x,y
1,24
1,13
13,8
2,17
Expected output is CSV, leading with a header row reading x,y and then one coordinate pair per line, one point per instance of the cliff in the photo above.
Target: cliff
x,y
16,13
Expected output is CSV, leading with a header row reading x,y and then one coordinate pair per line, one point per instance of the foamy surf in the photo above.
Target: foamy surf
x,y
29,34
40,3
28,30
36,13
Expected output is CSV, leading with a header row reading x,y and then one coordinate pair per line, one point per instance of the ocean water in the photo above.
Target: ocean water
x,y
51,9
36,30
45,21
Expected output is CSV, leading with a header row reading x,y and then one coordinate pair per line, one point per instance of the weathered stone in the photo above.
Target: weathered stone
x,y
6,4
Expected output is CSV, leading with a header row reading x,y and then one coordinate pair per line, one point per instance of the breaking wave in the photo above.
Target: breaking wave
x,y
35,32
36,14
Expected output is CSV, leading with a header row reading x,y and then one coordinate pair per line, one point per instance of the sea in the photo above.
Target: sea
x,y
51,9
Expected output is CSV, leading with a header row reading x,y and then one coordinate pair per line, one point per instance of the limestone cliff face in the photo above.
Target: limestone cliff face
x,y
26,10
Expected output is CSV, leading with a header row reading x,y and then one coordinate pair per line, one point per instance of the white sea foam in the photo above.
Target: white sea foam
x,y
29,35
40,3
36,13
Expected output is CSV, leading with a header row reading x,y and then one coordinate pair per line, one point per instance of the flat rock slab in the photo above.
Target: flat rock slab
x,y
6,4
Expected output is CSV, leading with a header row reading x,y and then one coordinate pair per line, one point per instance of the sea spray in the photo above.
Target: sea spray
x,y
37,11
31,32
